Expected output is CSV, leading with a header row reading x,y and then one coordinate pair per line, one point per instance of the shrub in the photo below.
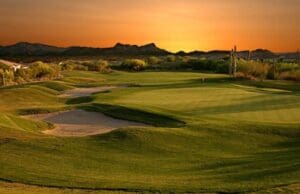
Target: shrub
x,y
22,76
282,67
102,66
67,65
36,71
4,66
6,77
217,66
171,58
253,69
98,65
290,75
134,65
153,60
40,70
72,65
297,76
79,67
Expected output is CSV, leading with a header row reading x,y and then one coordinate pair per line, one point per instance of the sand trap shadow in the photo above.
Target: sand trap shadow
x,y
82,123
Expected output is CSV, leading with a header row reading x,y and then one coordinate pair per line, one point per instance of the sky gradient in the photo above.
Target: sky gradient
x,y
171,24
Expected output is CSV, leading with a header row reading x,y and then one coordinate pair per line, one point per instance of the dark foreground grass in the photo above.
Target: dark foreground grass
x,y
217,136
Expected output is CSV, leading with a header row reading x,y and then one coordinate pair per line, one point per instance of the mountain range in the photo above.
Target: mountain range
x,y
37,49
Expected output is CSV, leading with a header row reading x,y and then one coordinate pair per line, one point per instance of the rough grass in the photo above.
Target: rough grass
x,y
238,137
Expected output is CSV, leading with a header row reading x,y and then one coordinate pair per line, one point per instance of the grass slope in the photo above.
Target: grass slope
x,y
238,137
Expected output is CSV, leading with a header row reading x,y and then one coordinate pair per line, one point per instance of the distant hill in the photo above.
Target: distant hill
x,y
81,51
290,55
220,54
29,49
36,50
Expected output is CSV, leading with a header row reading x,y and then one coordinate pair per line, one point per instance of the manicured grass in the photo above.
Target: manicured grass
x,y
131,114
237,137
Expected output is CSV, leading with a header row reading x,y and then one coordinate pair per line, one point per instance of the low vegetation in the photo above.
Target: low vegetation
x,y
40,71
133,65
216,66
248,69
92,65
252,69
37,71
268,70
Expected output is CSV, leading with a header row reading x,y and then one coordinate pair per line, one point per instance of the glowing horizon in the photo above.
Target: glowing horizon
x,y
173,25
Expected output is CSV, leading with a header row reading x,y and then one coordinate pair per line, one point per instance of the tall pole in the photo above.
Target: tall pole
x,y
274,69
298,57
231,62
249,55
234,61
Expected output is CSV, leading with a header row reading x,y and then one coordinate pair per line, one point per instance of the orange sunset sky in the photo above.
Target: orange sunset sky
x,y
172,24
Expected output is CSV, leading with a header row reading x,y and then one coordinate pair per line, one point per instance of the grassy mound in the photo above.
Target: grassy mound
x,y
14,122
131,114
57,86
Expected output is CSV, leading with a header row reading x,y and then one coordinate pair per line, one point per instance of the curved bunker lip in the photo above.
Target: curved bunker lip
x,y
80,123
82,92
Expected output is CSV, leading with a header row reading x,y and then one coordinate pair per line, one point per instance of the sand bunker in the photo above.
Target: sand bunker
x,y
80,123
81,92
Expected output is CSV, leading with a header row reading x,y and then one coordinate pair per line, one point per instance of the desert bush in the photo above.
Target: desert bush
x,y
290,75
102,66
79,67
40,70
297,76
72,65
217,66
241,75
22,76
4,66
67,65
98,65
6,77
134,65
171,58
282,67
36,71
253,69
153,60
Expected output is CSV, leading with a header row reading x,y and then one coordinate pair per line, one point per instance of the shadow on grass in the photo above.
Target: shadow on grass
x,y
41,110
121,112
199,82
282,85
80,100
